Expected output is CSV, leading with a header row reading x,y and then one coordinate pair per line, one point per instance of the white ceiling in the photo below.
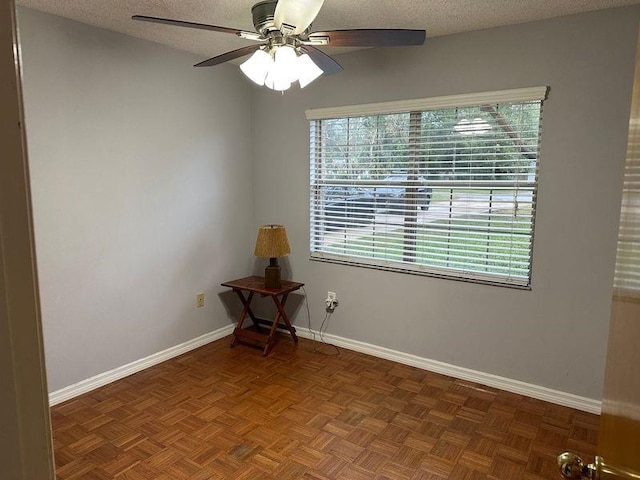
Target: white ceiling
x,y
437,17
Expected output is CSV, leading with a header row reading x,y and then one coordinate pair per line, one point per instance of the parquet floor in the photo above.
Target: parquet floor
x,y
221,413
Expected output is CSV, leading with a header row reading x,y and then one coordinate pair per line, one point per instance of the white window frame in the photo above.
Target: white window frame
x,y
418,106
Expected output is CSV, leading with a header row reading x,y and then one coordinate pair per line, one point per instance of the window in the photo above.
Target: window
x,y
443,186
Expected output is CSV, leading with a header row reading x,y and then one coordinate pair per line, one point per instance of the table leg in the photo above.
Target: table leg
x,y
284,316
245,302
280,314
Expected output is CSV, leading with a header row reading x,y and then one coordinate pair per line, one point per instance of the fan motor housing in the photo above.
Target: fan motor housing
x,y
263,13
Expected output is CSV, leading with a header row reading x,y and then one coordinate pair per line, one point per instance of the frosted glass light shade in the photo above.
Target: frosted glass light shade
x,y
280,68
276,80
286,63
297,14
257,66
283,70
308,71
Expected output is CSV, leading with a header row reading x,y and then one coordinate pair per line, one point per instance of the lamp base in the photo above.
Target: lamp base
x,y
272,274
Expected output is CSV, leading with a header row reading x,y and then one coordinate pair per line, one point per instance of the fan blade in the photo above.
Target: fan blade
x,y
201,26
293,17
327,64
225,57
373,37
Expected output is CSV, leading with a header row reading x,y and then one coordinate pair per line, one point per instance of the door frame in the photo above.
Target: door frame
x,y
26,451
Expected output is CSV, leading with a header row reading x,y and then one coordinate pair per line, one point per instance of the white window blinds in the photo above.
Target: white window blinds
x,y
443,186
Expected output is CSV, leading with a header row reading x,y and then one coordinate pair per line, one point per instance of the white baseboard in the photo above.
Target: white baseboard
x,y
488,379
67,393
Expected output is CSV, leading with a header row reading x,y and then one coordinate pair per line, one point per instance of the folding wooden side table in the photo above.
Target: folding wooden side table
x,y
251,286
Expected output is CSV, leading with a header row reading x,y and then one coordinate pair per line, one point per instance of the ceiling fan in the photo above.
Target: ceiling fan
x,y
287,50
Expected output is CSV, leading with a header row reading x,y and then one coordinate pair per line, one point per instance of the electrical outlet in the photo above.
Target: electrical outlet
x,y
200,300
331,301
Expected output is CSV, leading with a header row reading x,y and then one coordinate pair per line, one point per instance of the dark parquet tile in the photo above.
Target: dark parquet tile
x,y
222,413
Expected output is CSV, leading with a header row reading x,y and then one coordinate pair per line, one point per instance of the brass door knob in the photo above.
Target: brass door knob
x,y
572,466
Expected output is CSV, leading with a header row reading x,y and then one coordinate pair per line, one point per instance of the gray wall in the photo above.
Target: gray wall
x,y
142,192
554,335
146,191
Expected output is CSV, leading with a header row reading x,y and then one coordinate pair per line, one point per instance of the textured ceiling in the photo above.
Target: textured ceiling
x,y
437,17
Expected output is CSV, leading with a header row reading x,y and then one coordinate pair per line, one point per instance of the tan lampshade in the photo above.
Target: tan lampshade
x,y
272,242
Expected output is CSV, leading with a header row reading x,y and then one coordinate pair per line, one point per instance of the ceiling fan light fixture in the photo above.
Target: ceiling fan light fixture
x,y
277,79
286,63
287,51
293,17
308,71
257,66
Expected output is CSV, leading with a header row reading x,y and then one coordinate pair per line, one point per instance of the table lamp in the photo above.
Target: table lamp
x,y
272,242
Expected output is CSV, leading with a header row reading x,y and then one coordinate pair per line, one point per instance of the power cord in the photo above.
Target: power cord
x,y
327,316
306,302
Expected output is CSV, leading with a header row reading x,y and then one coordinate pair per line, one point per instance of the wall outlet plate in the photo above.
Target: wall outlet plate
x,y
200,300
331,301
